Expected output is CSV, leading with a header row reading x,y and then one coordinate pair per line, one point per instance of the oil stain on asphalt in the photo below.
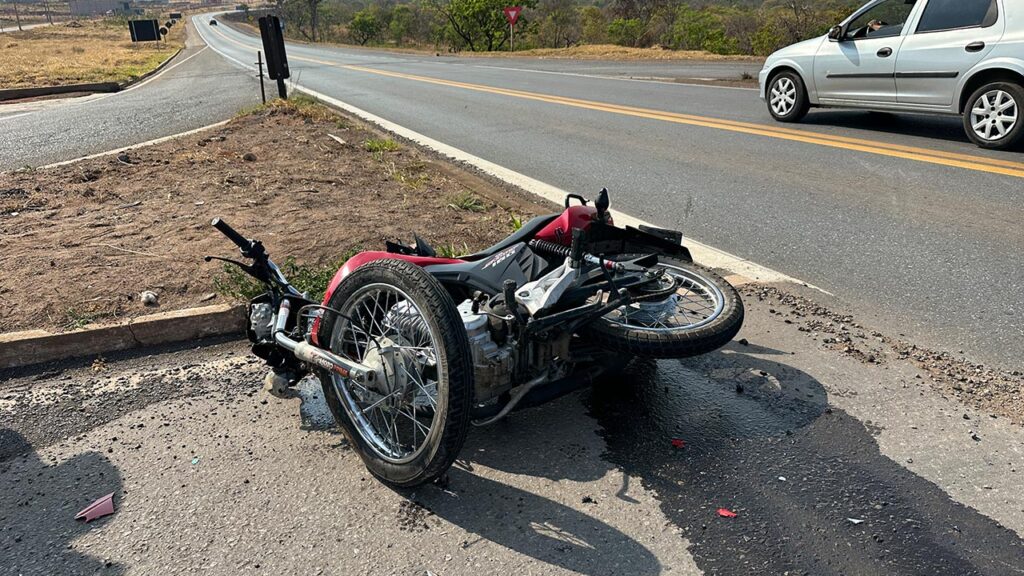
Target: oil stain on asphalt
x,y
812,491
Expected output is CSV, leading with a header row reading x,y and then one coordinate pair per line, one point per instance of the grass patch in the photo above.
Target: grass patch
x,y
99,51
76,319
453,251
467,201
308,278
380,146
515,222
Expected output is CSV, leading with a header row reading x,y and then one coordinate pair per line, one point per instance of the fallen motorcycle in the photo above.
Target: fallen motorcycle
x,y
411,348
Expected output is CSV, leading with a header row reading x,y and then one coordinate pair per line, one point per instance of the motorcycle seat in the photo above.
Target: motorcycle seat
x,y
524,234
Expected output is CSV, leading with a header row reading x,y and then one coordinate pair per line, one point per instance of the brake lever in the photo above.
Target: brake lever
x,y
245,267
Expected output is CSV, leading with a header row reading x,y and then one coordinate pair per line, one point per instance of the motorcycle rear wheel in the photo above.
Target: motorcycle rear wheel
x,y
409,426
703,315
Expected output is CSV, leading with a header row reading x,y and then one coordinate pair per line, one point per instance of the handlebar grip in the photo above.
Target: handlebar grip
x,y
235,237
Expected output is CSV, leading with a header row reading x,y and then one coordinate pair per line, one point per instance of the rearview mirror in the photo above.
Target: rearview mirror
x,y
835,33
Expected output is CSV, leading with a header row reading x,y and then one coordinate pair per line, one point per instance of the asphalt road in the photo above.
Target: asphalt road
x,y
916,228
832,465
201,88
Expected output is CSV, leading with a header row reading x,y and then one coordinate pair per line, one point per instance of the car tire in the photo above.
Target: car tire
x,y
992,117
787,98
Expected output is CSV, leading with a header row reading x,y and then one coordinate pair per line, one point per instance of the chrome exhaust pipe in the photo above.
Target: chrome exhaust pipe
x,y
318,356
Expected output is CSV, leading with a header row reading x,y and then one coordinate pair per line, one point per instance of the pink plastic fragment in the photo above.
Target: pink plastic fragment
x,y
726,513
678,443
98,509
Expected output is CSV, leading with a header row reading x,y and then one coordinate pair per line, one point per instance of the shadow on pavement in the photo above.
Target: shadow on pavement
x,y
538,527
945,128
794,470
38,503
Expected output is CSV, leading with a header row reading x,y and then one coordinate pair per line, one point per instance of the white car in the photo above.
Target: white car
x,y
952,57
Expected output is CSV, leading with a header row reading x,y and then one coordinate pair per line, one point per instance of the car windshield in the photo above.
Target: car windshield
x,y
884,19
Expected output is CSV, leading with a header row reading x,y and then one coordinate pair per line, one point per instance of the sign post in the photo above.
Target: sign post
x,y
512,15
273,48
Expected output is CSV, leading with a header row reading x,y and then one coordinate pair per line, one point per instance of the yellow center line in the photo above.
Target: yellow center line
x,y
950,159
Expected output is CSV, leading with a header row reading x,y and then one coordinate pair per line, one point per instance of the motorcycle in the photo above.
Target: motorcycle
x,y
412,348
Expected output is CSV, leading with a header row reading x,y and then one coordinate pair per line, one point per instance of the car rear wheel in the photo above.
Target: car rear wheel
x,y
992,116
787,97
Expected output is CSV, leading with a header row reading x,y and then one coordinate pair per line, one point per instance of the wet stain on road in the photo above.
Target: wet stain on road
x,y
812,492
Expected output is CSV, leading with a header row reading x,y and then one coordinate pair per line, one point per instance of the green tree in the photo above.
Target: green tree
x,y
365,26
478,24
593,25
626,31
402,21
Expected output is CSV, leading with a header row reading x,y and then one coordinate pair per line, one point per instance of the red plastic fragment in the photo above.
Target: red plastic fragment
x,y
98,509
726,513
678,443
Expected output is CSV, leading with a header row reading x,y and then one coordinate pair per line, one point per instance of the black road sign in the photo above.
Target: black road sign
x,y
273,47
144,30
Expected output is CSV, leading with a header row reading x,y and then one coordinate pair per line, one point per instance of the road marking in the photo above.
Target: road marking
x,y
13,116
927,155
703,253
951,159
648,80
139,145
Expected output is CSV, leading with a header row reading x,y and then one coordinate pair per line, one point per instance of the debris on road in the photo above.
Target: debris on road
x,y
726,513
855,521
678,443
98,509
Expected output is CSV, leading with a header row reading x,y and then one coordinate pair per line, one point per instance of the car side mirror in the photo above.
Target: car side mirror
x,y
836,33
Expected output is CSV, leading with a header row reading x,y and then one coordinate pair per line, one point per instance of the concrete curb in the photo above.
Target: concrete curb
x,y
19,349
35,92
19,93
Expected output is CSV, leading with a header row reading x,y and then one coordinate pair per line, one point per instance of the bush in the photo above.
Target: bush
x,y
626,31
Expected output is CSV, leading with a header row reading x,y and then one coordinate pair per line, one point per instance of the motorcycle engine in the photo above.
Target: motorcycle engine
x,y
494,365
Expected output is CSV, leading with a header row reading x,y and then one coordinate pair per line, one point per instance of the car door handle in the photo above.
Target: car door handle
x,y
975,47
885,52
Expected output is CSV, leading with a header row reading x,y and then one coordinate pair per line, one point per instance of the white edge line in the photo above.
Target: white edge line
x,y
706,255
13,116
139,145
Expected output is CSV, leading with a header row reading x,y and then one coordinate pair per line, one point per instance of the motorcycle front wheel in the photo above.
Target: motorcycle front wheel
x,y
704,314
409,425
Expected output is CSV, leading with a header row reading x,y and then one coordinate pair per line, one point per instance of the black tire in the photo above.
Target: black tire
x,y
680,343
454,396
1013,136
802,103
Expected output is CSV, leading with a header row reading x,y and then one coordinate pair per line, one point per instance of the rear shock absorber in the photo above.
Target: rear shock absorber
x,y
544,247
550,248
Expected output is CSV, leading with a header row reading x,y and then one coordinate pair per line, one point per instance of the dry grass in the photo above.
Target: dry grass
x,y
613,52
99,51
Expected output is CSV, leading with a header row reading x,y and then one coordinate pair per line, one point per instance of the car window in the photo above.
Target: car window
x,y
951,14
882,20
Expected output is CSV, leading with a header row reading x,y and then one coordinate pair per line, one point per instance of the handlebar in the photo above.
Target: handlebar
x,y
245,245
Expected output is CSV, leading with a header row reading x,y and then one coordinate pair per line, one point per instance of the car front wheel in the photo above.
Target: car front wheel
x,y
787,97
992,116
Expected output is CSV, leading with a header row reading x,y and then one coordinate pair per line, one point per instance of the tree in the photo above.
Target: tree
x,y
594,25
365,26
626,31
401,25
559,24
478,24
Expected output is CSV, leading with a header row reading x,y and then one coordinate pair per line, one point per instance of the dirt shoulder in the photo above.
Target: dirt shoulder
x,y
91,51
80,242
